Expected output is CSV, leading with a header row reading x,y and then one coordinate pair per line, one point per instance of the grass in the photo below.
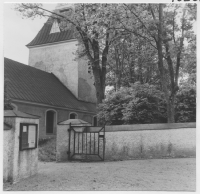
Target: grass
x,y
47,150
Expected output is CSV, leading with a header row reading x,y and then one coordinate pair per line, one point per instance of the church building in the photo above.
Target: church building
x,y
55,85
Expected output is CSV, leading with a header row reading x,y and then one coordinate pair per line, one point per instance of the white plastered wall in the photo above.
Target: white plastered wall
x,y
58,59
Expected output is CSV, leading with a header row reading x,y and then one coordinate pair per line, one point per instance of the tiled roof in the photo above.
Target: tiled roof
x,y
44,36
34,85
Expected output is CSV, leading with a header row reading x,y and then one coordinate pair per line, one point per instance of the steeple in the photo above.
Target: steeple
x,y
54,49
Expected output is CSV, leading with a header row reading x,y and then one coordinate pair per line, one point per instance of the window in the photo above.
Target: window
x,y
50,116
66,12
95,121
28,136
73,116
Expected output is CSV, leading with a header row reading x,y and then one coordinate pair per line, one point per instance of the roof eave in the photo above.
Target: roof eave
x,y
52,43
52,106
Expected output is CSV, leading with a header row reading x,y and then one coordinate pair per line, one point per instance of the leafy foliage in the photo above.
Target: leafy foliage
x,y
186,105
165,27
141,103
131,60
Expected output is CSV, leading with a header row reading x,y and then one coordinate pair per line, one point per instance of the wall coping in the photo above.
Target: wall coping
x,y
141,127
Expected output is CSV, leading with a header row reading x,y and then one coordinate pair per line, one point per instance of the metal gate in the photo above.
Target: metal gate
x,y
86,143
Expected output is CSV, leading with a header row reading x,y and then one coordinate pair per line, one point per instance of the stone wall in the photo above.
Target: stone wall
x,y
140,141
150,141
18,164
62,114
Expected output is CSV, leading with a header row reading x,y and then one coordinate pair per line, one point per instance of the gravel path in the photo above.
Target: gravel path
x,y
148,175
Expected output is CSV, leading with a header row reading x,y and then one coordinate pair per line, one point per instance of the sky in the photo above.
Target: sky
x,y
18,32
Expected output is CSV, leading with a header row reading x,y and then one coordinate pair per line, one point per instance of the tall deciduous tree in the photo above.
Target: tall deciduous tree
x,y
165,27
131,60
94,24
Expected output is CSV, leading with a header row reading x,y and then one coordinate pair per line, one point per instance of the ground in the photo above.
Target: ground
x,y
153,174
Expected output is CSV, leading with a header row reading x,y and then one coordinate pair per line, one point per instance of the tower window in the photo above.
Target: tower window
x,y
64,10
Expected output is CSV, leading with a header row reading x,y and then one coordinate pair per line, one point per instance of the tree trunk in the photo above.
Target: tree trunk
x,y
117,70
98,73
118,79
170,110
98,84
132,72
169,99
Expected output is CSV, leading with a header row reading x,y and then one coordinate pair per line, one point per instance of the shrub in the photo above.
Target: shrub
x,y
185,106
141,103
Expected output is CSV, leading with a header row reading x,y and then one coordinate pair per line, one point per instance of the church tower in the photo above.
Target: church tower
x,y
54,50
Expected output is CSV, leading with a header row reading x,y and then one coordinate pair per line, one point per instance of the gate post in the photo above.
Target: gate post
x,y
104,142
68,152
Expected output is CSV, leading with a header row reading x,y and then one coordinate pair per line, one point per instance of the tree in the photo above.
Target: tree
x,y
131,60
94,26
165,27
